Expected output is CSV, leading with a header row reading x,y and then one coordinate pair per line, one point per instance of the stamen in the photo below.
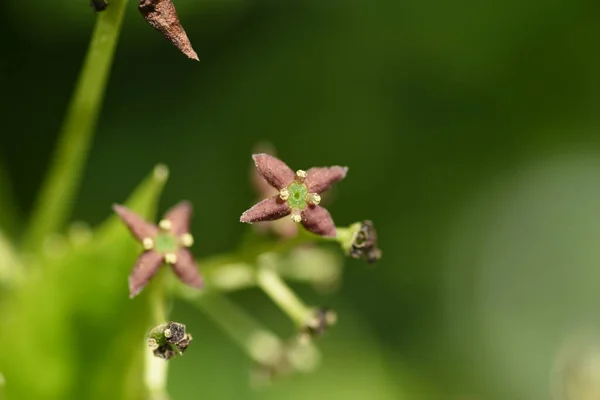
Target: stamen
x,y
331,317
313,322
167,333
301,174
165,225
304,338
170,258
148,243
284,194
153,344
187,240
296,218
314,198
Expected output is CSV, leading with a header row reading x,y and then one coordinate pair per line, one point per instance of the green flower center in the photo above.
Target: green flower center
x,y
298,193
166,243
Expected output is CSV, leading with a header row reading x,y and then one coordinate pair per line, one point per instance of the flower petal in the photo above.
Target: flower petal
x,y
318,220
275,171
320,179
146,267
137,225
186,269
267,210
179,215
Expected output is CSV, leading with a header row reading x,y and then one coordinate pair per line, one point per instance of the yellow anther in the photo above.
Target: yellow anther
x,y
153,344
331,317
315,198
187,239
167,333
296,217
313,322
170,258
284,194
148,243
304,339
301,174
165,224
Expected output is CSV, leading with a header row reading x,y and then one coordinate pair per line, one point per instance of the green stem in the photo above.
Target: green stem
x,y
260,344
250,254
156,369
2,383
346,235
55,199
271,283
11,269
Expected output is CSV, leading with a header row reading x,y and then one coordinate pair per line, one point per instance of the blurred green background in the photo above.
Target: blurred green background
x,y
471,130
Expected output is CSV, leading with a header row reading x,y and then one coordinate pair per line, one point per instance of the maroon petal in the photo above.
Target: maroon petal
x,y
146,267
179,215
275,171
186,269
267,210
137,225
320,179
318,220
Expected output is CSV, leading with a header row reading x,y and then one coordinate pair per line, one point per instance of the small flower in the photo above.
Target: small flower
x,y
283,228
166,243
364,243
321,319
299,194
168,340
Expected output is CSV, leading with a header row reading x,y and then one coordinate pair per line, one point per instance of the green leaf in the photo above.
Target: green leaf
x,y
11,268
71,328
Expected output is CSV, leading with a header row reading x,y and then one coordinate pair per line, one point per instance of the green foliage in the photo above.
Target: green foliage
x,y
69,327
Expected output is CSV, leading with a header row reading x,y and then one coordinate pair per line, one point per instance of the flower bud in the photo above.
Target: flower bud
x,y
168,340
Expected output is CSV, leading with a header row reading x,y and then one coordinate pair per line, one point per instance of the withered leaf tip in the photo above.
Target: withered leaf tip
x,y
162,16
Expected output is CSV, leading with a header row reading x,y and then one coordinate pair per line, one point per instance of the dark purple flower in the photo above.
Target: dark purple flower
x,y
299,194
166,242
283,228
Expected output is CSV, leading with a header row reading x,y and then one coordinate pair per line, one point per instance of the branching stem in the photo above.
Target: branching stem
x,y
156,369
260,344
59,188
274,286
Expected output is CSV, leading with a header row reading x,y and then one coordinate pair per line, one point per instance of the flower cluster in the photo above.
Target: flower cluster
x,y
296,195
168,242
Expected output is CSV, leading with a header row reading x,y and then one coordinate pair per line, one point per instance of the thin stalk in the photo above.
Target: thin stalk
x,y
2,383
58,190
11,269
250,255
156,369
260,344
274,286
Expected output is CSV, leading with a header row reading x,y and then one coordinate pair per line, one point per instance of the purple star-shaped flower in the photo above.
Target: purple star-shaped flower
x,y
299,194
166,243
